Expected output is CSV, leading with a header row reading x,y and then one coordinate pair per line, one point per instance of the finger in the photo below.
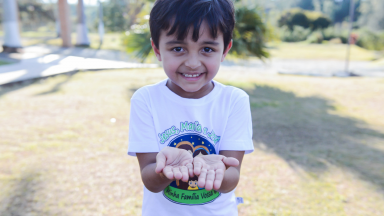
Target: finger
x,y
167,171
230,161
209,180
160,162
190,169
197,168
202,177
218,179
176,173
184,173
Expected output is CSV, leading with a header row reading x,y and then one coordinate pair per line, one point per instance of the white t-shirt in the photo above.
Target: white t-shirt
x,y
218,121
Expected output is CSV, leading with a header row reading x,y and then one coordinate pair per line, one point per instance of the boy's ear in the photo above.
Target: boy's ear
x,y
226,51
156,50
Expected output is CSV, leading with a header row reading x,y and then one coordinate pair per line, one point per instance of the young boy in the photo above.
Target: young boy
x,y
190,127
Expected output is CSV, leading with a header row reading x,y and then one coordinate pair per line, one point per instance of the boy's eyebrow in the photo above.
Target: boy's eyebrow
x,y
182,42
175,42
210,43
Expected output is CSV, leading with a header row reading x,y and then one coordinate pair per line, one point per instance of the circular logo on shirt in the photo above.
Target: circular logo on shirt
x,y
189,193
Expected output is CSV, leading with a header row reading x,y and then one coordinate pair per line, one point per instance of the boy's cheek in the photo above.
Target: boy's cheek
x,y
170,64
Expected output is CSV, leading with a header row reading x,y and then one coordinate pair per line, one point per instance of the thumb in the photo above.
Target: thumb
x,y
230,161
160,162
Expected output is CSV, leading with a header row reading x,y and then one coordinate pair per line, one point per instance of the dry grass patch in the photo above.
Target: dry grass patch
x,y
319,145
303,50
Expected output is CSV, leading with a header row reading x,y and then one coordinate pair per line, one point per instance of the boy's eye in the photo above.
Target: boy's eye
x,y
177,49
207,49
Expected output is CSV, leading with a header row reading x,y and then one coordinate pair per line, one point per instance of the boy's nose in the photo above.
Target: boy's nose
x,y
193,62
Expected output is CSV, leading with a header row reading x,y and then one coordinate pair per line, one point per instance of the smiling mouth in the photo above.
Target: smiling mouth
x,y
191,75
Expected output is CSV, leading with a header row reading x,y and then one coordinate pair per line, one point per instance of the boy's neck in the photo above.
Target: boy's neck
x,y
193,95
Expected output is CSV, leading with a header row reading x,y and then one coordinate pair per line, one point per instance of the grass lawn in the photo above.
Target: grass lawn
x,y
303,50
318,145
3,63
111,41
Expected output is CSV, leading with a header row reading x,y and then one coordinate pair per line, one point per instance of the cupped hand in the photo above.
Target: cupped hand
x,y
211,168
174,163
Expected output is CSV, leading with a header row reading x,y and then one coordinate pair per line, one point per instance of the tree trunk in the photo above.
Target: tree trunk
x,y
65,25
82,31
12,40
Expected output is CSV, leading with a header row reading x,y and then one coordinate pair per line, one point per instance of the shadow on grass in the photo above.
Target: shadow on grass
x,y
58,85
10,87
23,197
304,132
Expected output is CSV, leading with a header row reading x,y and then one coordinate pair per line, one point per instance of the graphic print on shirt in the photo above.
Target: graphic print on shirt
x,y
189,193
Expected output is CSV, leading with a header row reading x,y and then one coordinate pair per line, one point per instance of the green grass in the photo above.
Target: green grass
x,y
379,62
303,50
111,41
3,63
317,151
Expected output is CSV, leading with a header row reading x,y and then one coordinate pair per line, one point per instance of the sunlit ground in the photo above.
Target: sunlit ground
x,y
319,145
303,50
111,41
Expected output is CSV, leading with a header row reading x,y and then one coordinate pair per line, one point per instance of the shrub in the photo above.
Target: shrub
x,y
370,40
315,37
297,34
331,33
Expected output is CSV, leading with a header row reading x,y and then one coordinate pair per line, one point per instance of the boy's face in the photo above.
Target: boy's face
x,y
191,65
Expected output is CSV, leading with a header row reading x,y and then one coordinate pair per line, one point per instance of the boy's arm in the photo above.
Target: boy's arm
x,y
158,170
232,174
153,182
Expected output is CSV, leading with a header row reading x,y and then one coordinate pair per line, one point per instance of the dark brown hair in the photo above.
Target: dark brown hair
x,y
178,16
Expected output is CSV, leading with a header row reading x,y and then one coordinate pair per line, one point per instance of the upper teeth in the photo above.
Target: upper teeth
x,y
191,75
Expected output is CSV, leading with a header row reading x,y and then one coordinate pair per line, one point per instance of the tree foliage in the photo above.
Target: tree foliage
x,y
375,15
249,34
370,40
306,19
341,10
304,4
119,15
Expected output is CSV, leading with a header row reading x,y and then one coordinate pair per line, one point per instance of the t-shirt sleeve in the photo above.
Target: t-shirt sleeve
x,y
238,132
142,133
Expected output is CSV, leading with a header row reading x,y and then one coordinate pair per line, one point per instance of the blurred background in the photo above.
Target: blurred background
x,y
314,71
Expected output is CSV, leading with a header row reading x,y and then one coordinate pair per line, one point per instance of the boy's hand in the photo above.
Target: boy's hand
x,y
174,163
211,168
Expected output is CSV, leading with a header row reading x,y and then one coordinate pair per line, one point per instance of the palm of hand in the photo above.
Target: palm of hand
x,y
175,163
210,162
181,158
210,169
179,164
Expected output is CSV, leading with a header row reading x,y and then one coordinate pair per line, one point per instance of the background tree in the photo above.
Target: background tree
x,y
119,15
304,18
249,34
376,15
36,13
138,37
304,4
341,10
